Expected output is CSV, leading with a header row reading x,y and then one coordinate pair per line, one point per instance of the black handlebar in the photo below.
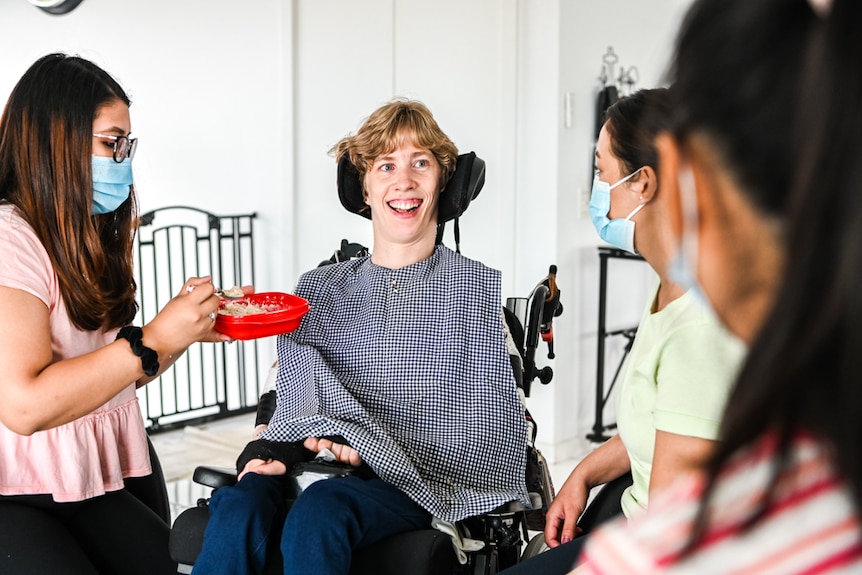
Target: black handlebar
x,y
544,306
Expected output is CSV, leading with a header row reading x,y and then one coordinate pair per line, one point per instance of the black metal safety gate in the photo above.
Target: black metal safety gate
x,y
210,381
600,427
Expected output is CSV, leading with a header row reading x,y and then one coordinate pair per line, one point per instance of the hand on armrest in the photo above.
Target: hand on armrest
x,y
343,453
261,467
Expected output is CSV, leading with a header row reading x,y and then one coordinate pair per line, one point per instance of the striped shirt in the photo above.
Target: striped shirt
x,y
411,366
810,525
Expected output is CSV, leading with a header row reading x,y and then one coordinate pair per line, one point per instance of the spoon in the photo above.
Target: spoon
x,y
233,293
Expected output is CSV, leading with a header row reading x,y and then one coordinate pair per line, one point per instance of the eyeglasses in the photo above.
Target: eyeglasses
x,y
124,147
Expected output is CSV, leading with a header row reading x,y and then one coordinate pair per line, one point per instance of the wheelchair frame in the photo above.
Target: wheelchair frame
x,y
504,531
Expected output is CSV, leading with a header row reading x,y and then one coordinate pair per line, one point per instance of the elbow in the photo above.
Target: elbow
x,y
21,428
18,422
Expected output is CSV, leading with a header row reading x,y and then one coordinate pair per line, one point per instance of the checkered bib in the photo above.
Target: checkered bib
x,y
411,367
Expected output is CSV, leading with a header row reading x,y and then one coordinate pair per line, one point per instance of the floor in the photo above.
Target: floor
x,y
218,443
215,443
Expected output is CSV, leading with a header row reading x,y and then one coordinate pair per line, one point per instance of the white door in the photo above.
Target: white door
x,y
457,57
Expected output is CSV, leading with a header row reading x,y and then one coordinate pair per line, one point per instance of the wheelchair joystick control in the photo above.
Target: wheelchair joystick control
x,y
506,536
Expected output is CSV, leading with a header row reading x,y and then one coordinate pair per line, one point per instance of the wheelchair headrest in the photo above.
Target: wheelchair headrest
x,y
464,185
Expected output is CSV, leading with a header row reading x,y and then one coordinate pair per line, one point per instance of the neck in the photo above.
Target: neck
x,y
667,293
741,264
757,289
655,243
395,256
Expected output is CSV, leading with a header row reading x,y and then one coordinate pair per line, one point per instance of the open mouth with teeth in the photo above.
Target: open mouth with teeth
x,y
405,206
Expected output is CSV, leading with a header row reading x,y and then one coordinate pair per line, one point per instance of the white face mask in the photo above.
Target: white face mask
x,y
682,268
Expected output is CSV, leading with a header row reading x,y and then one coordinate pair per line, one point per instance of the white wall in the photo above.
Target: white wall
x,y
206,79
641,34
377,49
237,103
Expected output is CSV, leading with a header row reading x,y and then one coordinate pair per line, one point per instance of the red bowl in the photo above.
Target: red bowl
x,y
285,314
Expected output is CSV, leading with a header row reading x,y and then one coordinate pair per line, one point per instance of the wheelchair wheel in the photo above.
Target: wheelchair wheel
x,y
535,546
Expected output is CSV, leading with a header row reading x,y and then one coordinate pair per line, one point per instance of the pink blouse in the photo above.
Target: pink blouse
x,y
91,455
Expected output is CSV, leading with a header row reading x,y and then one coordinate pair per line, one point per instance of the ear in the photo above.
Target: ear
x,y
669,158
364,189
647,181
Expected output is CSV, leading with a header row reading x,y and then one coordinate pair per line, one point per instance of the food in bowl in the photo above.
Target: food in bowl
x,y
260,315
233,293
245,307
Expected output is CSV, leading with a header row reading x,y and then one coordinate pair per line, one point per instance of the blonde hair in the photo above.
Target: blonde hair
x,y
388,128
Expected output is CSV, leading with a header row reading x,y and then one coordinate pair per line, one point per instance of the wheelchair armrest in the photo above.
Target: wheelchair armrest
x,y
214,477
510,507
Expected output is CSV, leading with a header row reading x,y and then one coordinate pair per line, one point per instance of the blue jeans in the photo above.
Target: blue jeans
x,y
330,520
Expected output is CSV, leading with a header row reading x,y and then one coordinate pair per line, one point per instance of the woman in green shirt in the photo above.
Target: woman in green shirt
x,y
675,381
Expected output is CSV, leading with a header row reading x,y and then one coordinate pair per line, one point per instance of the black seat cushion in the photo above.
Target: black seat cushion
x,y
187,534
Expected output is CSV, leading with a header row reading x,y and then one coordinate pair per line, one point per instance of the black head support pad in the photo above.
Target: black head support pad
x,y
464,185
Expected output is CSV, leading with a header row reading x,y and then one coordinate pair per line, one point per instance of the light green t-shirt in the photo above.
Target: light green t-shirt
x,y
676,378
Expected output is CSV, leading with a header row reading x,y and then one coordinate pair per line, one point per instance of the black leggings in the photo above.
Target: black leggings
x,y
111,534
557,561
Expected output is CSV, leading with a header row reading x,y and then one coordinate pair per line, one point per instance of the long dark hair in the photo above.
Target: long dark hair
x,y
796,155
734,78
803,371
46,172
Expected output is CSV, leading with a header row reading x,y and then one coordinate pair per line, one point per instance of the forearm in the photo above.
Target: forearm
x,y
67,390
165,362
39,392
605,463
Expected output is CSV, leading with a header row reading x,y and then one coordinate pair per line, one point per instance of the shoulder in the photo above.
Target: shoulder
x,y
707,342
695,331
16,235
331,277
24,262
455,261
328,271
11,221
701,351
689,310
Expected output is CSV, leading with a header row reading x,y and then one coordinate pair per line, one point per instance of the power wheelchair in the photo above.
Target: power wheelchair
x,y
486,543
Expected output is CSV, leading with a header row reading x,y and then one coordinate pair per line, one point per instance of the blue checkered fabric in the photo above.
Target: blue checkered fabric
x,y
411,367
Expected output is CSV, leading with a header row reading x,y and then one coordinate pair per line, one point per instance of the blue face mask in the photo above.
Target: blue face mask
x,y
682,268
619,232
111,183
